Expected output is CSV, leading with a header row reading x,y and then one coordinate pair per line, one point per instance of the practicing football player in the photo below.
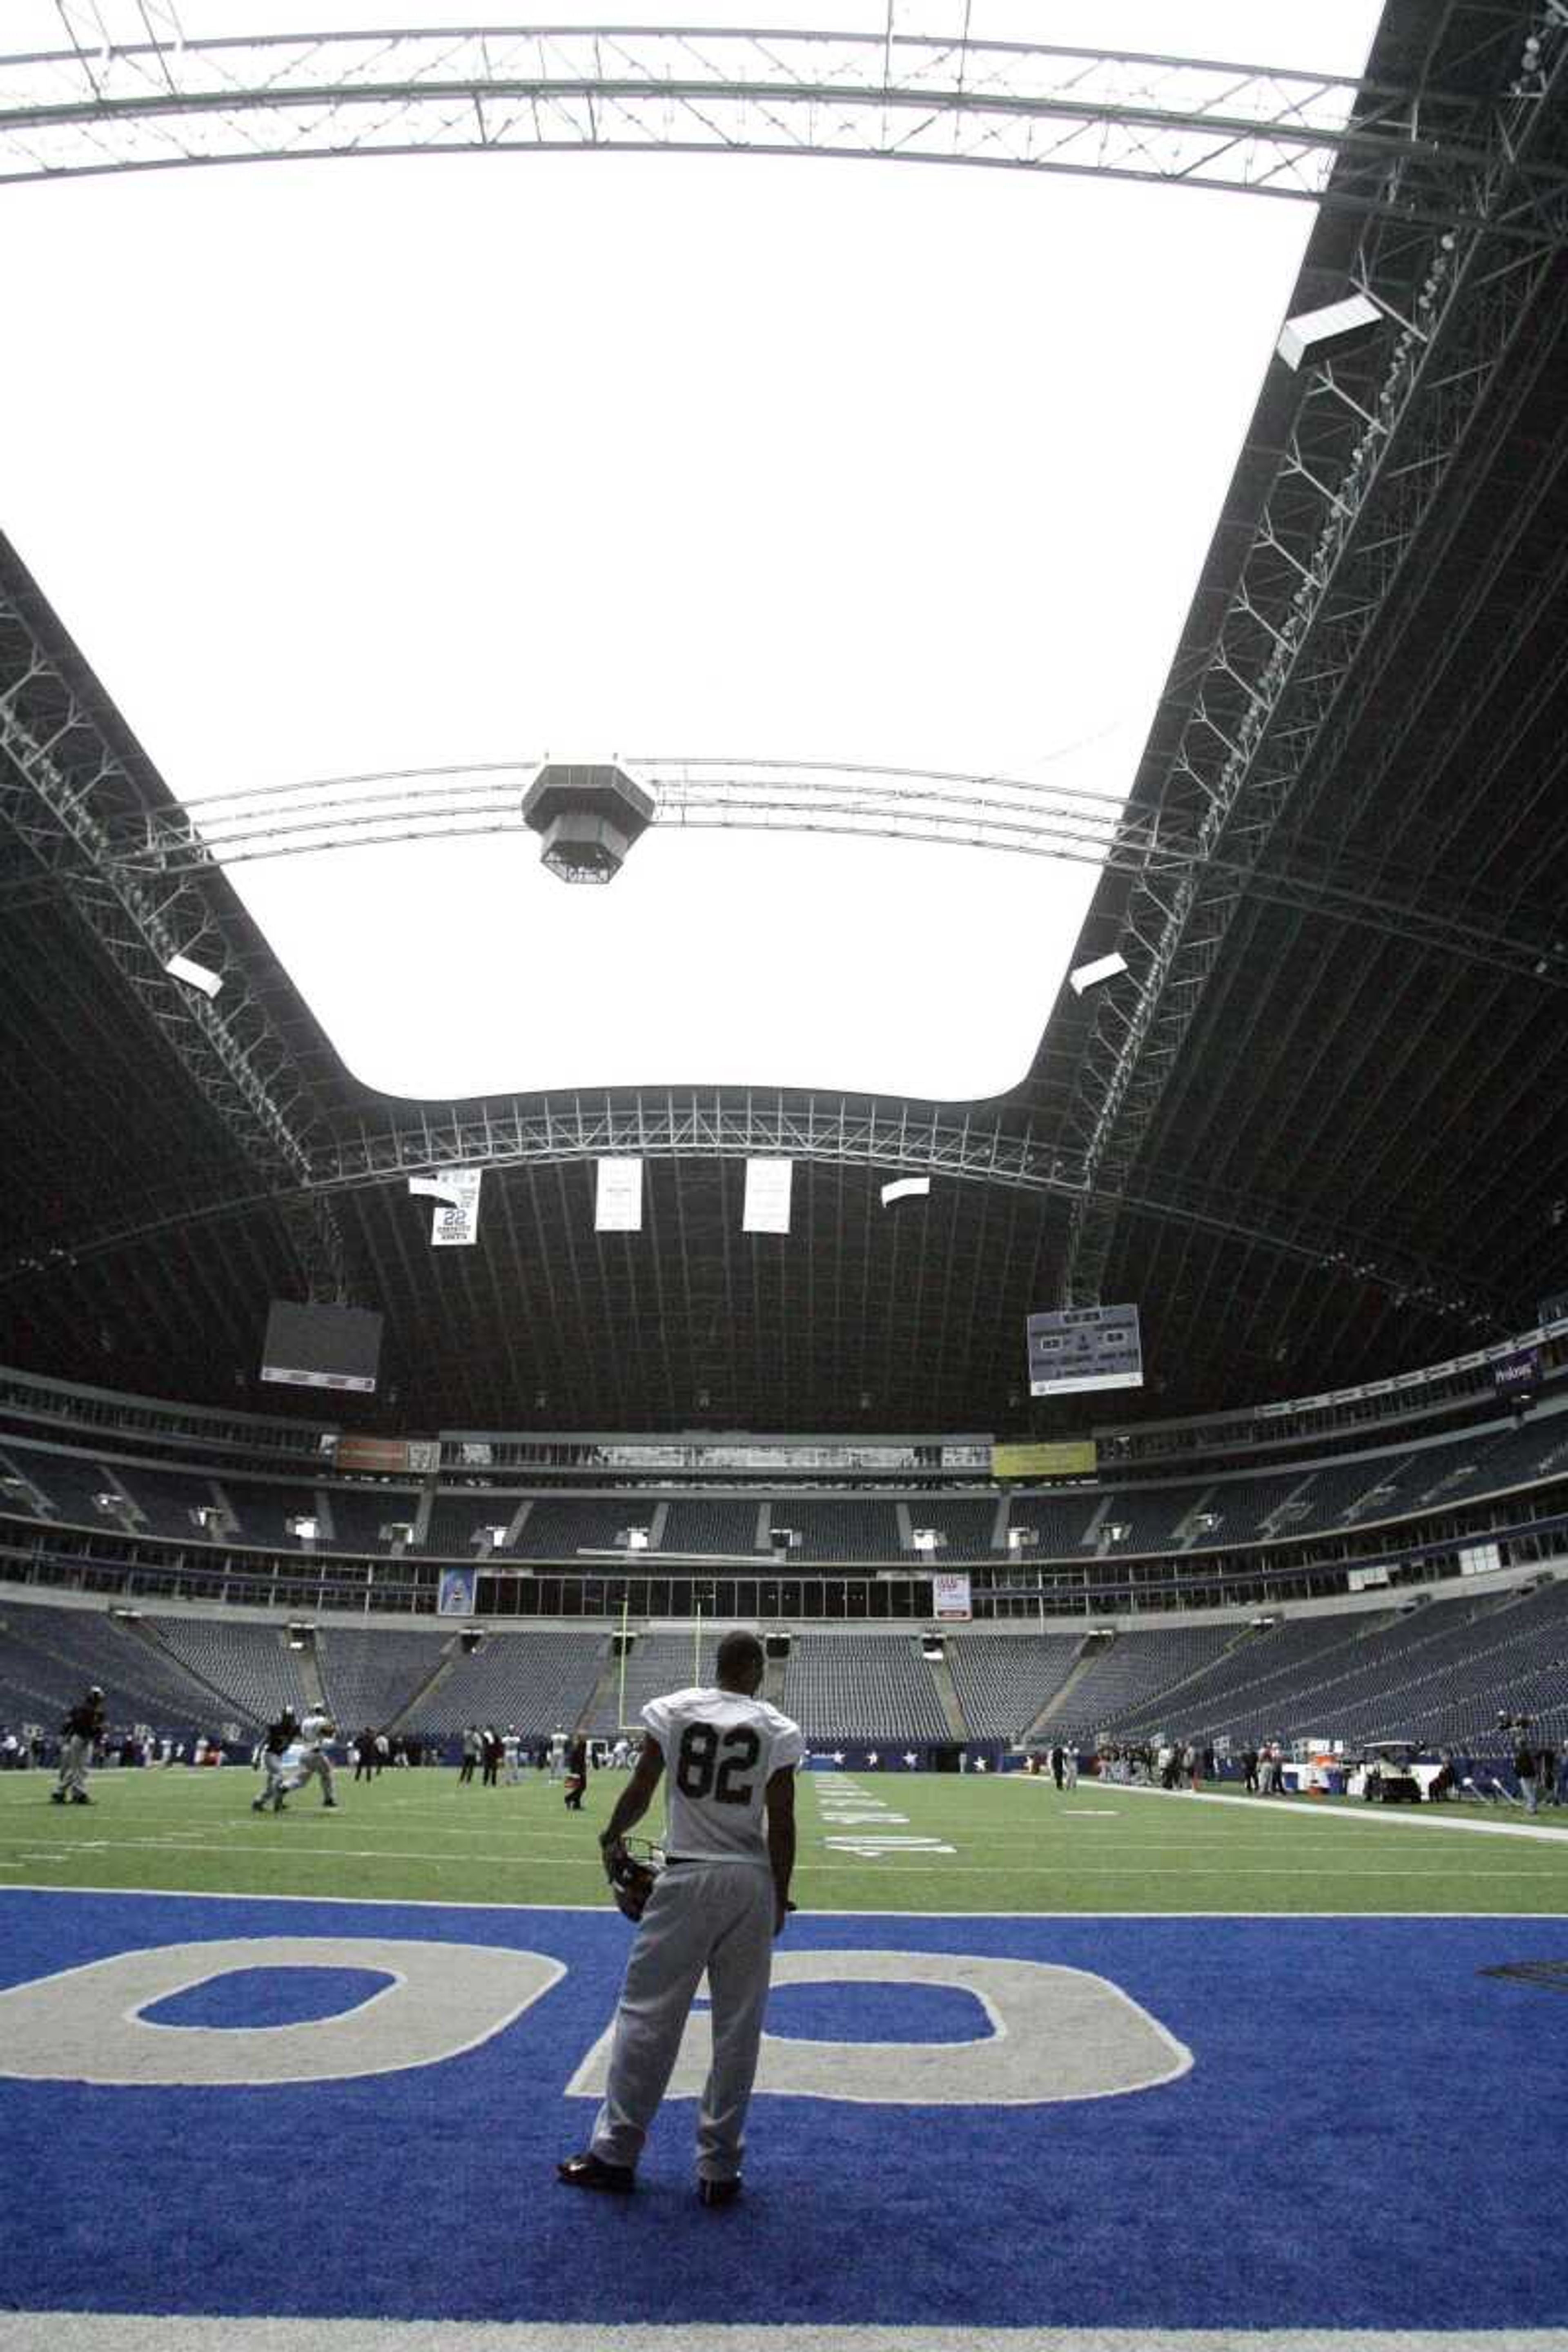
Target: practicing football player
x,y
311,1761
717,1906
279,1739
79,1734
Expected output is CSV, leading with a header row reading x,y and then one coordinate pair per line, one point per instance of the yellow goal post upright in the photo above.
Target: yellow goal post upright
x,y
625,1644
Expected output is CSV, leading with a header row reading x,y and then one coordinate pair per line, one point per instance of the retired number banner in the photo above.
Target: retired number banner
x,y
951,1591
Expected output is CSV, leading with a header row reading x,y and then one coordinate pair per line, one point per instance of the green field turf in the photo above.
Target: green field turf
x,y
1013,1845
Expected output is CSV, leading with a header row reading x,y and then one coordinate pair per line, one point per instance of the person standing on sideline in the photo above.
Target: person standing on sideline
x,y
314,1763
577,1775
1525,1763
80,1735
491,1750
1058,1765
716,1907
277,1740
470,1754
365,1755
510,1746
558,1754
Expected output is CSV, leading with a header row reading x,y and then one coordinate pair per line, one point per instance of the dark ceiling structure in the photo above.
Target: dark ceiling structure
x,y
1317,1129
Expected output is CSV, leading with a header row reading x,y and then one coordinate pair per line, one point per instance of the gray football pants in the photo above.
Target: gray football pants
x,y
76,1754
717,1916
314,1765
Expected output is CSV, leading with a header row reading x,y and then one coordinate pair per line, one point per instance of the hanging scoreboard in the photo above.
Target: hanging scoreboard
x,y
1080,1347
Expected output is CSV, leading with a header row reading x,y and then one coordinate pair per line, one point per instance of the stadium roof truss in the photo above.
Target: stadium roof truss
x,y
1315,656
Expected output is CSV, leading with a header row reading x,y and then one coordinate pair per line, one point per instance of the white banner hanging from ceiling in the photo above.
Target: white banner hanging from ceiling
x,y
951,1594
618,1208
767,1196
456,1193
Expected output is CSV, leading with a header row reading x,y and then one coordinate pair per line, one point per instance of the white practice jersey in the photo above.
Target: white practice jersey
x,y
719,1750
315,1731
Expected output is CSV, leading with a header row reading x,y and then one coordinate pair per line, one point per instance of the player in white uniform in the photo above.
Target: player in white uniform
x,y
311,1761
717,1906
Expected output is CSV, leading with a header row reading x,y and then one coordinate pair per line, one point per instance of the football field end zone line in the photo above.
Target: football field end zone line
x,y
24,2331
432,1903
1299,1810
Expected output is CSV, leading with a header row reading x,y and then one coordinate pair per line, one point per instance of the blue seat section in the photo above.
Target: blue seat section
x,y
264,1506
1441,1672
48,1656
967,1526
849,1527
532,1683
560,1525
1003,1680
457,1517
249,1667
72,1483
1137,1670
859,1687
371,1675
356,1515
724,1524
1058,1522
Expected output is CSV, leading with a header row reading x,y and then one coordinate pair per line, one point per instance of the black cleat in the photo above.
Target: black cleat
x,y
78,1798
328,1804
718,2192
56,1796
591,2171
258,1804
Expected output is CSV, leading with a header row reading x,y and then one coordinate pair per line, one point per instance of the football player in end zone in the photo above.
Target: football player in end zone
x,y
716,1907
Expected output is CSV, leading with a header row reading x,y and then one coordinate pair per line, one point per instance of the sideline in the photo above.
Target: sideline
x,y
1341,1810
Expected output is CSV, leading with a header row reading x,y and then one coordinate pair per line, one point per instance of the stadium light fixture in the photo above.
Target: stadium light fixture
x,y
1089,975
587,817
1313,336
195,975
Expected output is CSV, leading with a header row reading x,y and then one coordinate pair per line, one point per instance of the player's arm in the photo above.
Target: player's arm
x,y
780,1802
636,1797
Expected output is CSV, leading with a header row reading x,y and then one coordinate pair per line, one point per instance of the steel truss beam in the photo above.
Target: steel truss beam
x,y
530,1133
61,785
993,812
1298,652
98,107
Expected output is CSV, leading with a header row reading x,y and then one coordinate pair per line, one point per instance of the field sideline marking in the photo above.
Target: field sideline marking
x,y
1345,1811
938,1867
24,2331
432,1903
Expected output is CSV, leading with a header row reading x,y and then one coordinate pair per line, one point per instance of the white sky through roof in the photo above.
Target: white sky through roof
x,y
335,470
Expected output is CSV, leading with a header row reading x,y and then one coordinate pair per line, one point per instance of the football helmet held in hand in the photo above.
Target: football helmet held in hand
x,y
632,1877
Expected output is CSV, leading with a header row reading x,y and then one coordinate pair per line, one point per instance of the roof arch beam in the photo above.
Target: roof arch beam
x,y
540,1133
167,102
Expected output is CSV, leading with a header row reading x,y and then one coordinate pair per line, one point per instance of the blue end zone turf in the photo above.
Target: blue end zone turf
x,y
1345,2152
